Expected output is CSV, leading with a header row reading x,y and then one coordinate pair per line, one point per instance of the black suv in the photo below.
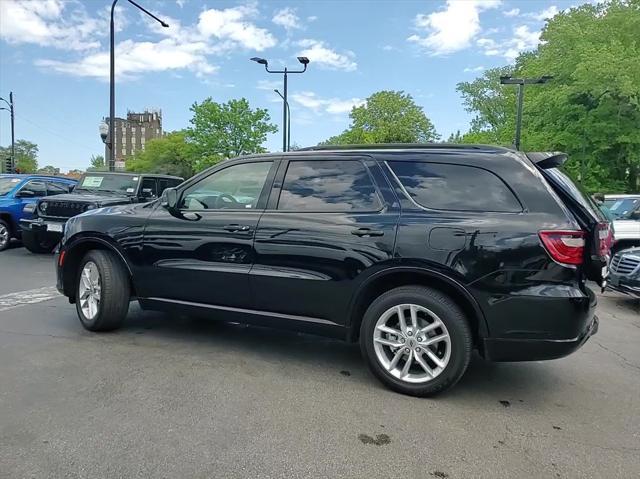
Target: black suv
x,y
419,252
95,190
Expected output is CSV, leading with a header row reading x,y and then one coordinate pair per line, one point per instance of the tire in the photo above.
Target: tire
x,y
112,293
36,243
433,310
5,235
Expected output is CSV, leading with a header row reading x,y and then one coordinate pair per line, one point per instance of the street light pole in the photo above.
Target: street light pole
x,y
304,61
112,82
288,119
521,82
11,110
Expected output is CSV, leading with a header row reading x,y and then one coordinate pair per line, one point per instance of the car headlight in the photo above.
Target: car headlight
x,y
29,208
43,207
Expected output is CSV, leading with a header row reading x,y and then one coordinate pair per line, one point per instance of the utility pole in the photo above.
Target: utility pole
x,y
288,119
521,82
111,161
11,110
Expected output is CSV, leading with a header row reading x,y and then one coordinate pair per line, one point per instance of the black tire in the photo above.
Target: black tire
x,y
5,239
37,243
449,313
114,292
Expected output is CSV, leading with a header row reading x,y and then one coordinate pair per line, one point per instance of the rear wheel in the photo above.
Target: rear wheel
x,y
102,291
37,243
416,340
5,235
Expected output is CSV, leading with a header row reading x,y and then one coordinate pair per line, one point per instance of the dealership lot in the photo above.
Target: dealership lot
x,y
180,397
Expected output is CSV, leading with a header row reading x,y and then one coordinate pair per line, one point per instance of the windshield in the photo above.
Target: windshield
x,y
623,208
8,184
123,184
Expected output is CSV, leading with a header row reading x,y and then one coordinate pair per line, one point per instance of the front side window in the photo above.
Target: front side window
x,y
56,188
235,187
149,189
106,183
454,187
37,187
328,185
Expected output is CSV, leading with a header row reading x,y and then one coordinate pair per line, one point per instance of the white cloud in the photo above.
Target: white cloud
x,y
233,24
47,23
268,84
181,3
319,53
334,106
452,29
287,19
514,12
312,18
136,58
523,39
388,48
473,69
549,12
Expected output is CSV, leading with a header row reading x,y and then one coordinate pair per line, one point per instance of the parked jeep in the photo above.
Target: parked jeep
x,y
419,252
42,233
18,195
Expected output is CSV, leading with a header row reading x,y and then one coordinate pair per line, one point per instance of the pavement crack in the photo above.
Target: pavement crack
x,y
616,353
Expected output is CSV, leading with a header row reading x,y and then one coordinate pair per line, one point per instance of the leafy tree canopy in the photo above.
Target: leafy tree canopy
x,y
26,156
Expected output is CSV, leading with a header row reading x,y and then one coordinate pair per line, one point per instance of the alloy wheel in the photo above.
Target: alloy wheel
x,y
412,343
4,236
89,290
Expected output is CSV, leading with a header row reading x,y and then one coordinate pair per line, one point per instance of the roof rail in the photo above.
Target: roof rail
x,y
403,146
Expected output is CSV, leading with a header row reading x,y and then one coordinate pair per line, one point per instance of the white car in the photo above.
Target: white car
x,y
626,225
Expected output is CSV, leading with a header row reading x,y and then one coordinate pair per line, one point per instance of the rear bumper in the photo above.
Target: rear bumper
x,y
536,349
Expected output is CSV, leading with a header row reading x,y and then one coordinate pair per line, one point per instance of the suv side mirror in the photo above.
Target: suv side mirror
x,y
170,199
25,194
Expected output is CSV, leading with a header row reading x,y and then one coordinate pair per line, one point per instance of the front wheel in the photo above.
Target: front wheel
x,y
37,243
416,340
5,235
102,291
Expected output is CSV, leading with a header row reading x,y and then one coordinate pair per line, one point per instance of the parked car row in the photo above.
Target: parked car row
x,y
35,208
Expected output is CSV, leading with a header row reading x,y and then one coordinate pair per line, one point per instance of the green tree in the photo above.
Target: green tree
x,y
223,130
49,170
591,109
169,155
26,156
387,117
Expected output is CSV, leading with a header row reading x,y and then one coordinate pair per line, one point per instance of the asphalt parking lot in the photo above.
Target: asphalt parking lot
x,y
179,397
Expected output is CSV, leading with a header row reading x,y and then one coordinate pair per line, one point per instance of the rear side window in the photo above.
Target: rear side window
x,y
56,188
454,187
326,185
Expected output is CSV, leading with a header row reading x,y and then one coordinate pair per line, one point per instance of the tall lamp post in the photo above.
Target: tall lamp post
x,y
112,75
521,82
304,61
12,165
288,119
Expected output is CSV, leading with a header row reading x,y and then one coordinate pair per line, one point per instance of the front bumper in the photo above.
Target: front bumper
x,y
624,284
51,229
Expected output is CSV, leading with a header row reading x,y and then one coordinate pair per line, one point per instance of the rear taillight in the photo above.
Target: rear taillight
x,y
565,247
605,239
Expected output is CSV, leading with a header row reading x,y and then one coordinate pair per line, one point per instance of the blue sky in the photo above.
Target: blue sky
x,y
54,57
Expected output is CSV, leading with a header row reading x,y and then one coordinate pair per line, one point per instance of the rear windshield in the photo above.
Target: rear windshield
x,y
561,179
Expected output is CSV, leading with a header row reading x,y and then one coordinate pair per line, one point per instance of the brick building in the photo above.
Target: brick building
x,y
132,133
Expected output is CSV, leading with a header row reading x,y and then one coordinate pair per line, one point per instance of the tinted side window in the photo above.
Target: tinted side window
x,y
37,187
149,188
326,185
454,187
163,184
55,188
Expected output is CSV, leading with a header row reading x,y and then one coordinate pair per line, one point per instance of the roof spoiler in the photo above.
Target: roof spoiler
x,y
547,159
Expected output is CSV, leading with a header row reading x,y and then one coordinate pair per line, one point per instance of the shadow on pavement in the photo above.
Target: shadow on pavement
x,y
495,380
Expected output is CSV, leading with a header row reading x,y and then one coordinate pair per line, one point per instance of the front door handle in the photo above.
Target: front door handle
x,y
366,232
235,228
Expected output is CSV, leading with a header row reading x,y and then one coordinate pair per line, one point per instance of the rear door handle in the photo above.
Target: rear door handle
x,y
235,228
365,232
